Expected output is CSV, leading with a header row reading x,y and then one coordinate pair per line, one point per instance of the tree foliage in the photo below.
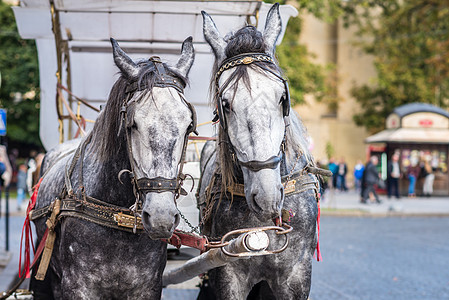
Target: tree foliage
x,y
19,90
409,40
306,77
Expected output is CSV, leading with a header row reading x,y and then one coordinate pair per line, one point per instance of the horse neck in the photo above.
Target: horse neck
x,y
296,156
100,175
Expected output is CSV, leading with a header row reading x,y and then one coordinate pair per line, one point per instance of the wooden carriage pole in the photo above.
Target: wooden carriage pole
x,y
58,38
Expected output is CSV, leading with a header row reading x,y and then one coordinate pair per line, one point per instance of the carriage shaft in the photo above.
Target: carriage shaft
x,y
252,242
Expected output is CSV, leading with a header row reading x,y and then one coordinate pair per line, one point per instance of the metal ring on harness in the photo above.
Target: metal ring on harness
x,y
279,231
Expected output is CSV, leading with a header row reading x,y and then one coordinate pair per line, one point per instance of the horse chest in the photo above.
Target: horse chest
x,y
99,261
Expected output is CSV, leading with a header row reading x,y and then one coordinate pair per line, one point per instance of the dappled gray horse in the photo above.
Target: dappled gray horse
x,y
261,145
127,166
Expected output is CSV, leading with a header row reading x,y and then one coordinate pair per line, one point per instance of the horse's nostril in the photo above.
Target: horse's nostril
x,y
177,220
281,202
255,204
145,218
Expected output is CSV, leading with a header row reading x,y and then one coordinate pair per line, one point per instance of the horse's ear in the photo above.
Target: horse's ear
x,y
187,57
123,61
213,37
273,27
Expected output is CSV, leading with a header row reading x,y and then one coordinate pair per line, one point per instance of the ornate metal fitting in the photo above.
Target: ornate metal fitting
x,y
247,60
155,59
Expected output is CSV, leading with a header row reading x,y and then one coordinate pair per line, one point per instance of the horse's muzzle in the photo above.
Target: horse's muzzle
x,y
159,215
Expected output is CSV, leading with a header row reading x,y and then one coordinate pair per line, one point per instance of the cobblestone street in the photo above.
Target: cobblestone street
x,y
382,258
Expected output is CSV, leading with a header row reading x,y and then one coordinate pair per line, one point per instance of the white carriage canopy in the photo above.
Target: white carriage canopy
x,y
78,49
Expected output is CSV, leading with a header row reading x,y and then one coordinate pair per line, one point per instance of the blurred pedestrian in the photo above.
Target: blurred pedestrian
x,y
358,174
21,185
31,164
413,174
371,178
2,170
333,167
5,167
13,156
429,177
342,169
393,175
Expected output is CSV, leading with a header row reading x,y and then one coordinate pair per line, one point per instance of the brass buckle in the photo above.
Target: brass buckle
x,y
155,59
290,186
128,221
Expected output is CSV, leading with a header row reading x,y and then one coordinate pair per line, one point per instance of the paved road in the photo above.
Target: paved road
x,y
383,258
363,258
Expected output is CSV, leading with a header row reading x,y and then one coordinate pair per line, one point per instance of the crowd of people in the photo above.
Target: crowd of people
x,y
20,174
368,180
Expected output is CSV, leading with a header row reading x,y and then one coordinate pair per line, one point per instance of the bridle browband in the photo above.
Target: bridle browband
x,y
142,186
247,59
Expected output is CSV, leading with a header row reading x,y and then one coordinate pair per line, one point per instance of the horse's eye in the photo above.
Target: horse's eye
x,y
226,105
134,126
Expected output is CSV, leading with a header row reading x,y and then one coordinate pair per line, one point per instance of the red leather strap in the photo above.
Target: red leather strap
x,y
28,235
189,239
318,252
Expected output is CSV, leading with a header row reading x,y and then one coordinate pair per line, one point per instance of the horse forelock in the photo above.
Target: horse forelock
x,y
107,126
245,40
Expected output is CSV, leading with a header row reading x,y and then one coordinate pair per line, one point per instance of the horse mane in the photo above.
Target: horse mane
x,y
106,137
297,140
248,40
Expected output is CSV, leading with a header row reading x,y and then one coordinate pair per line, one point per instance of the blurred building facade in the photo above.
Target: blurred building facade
x,y
333,43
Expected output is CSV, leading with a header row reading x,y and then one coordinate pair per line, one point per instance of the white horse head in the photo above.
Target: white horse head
x,y
252,97
158,122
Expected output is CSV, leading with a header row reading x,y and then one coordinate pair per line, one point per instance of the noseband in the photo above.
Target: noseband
x,y
142,186
246,59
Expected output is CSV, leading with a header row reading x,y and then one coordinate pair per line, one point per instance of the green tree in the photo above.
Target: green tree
x,y
409,40
19,91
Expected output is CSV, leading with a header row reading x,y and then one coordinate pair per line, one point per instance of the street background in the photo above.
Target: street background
x,y
393,250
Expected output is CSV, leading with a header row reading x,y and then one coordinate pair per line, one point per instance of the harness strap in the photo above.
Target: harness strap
x,y
79,153
50,240
188,239
95,211
297,183
157,184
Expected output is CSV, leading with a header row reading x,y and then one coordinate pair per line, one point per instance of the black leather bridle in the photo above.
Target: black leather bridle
x,y
142,186
246,59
